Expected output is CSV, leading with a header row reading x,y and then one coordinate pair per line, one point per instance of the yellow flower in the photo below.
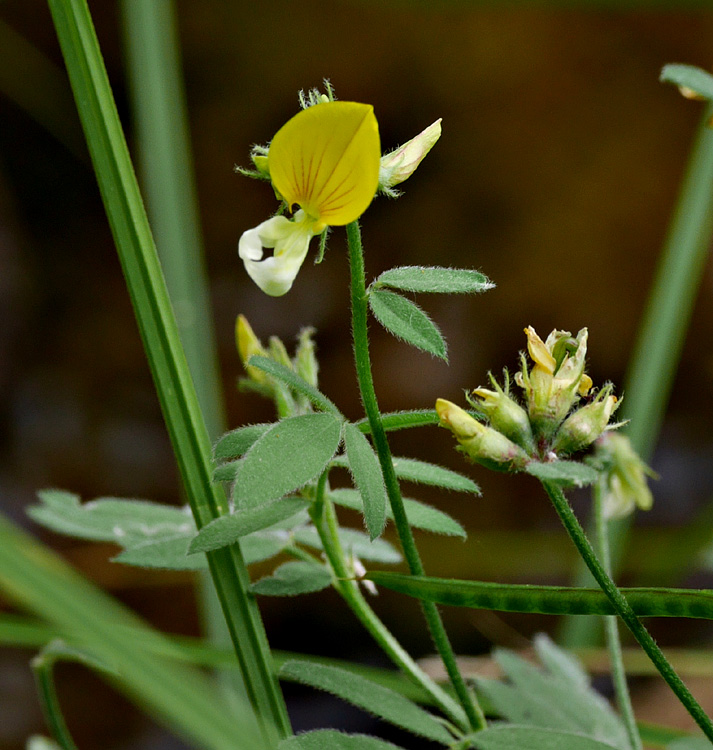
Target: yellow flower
x,y
325,160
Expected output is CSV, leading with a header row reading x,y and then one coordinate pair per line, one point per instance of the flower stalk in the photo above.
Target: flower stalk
x,y
359,301
624,610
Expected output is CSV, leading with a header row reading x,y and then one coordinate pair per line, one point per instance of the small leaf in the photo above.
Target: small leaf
x,y
228,529
294,381
563,473
401,420
294,578
354,542
166,554
331,739
237,442
290,454
421,472
125,522
420,515
435,280
689,77
366,472
407,321
511,737
369,696
227,472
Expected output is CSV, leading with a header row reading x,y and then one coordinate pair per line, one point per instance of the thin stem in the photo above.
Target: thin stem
x,y
362,359
611,629
43,669
624,610
325,520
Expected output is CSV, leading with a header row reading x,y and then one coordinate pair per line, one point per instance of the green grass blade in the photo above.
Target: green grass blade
x,y
152,50
547,600
180,697
166,357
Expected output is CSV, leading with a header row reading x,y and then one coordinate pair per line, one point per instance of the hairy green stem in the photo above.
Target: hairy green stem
x,y
325,520
360,308
624,610
611,628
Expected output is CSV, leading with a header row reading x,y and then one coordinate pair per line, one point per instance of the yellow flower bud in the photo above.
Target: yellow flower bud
x,y
400,164
483,444
248,345
585,425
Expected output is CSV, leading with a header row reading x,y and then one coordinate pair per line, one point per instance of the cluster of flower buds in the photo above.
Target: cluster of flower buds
x,y
552,424
304,364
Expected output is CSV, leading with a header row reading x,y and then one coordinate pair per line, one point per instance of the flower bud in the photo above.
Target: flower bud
x,y
625,476
483,444
305,362
400,164
583,427
249,345
504,414
557,379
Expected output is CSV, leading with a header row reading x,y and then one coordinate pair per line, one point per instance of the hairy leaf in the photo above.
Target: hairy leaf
x,y
407,321
228,529
290,454
330,739
366,473
294,578
373,698
435,280
237,442
564,473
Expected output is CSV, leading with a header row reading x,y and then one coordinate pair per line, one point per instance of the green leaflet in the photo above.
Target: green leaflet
x,y
330,739
407,321
290,454
237,442
294,578
228,529
293,380
690,77
435,280
563,473
401,420
110,519
562,700
548,600
421,472
366,473
371,697
420,515
519,737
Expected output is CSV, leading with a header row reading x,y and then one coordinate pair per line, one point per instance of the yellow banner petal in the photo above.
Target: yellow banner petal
x,y
326,159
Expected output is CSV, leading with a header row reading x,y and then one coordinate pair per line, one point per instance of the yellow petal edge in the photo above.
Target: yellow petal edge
x,y
326,160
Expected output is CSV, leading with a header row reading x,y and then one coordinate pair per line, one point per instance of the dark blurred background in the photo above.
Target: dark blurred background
x,y
556,175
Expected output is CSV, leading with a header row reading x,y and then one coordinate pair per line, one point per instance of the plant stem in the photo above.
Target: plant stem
x,y
43,669
325,519
362,359
611,628
576,533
